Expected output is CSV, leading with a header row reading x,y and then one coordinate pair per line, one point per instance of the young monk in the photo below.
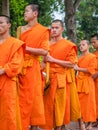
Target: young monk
x,y
11,61
94,41
62,56
36,38
85,84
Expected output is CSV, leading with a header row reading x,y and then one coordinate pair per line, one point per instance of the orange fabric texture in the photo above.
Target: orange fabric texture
x,y
11,58
72,56
72,111
96,86
86,88
55,95
30,90
75,112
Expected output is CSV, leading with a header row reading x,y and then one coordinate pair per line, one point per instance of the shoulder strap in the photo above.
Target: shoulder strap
x,y
18,32
47,71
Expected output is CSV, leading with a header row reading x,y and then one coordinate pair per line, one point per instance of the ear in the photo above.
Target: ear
x,y
35,13
62,29
9,25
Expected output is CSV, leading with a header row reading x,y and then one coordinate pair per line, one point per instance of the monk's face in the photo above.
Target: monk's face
x,y
4,25
29,14
84,46
94,42
56,29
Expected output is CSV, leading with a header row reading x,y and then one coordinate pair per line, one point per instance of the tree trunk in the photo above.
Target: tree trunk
x,y
70,21
5,7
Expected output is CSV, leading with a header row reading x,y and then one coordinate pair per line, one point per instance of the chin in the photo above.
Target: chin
x,y
25,19
55,35
82,50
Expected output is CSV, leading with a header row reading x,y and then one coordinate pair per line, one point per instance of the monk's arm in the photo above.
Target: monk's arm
x,y
14,66
36,51
59,62
90,68
69,62
85,70
94,76
2,71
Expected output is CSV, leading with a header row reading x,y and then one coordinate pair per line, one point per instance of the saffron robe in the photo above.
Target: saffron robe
x,y
55,95
72,109
11,59
30,87
96,86
75,112
86,88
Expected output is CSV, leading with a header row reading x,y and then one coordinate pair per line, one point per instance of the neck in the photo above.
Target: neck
x,y
96,49
4,36
32,23
56,39
85,52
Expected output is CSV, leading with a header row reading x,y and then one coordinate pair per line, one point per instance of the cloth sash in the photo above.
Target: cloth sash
x,y
61,76
83,81
28,62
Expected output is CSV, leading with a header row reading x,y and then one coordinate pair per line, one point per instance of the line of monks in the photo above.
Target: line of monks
x,y
43,84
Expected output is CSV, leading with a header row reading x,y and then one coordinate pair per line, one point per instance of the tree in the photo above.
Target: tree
x,y
79,23
16,15
71,7
5,7
87,17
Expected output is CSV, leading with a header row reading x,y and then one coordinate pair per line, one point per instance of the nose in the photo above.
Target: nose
x,y
93,43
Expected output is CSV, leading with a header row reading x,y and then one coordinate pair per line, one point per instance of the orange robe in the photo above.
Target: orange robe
x,y
30,90
55,95
72,112
86,88
75,112
11,58
96,86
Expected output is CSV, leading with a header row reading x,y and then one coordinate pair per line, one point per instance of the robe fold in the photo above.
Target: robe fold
x,y
55,96
30,87
96,87
72,110
11,59
86,88
75,112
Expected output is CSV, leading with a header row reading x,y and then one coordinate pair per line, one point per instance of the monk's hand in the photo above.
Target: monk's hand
x,y
2,71
76,67
49,58
94,76
43,64
27,48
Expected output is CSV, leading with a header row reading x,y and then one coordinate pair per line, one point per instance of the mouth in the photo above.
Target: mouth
x,y
81,49
25,15
54,32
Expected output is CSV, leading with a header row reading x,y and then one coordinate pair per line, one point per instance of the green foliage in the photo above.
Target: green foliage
x,y
87,17
16,13
0,7
17,10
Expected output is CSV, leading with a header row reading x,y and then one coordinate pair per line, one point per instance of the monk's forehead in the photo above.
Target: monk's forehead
x,y
94,38
4,19
56,24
